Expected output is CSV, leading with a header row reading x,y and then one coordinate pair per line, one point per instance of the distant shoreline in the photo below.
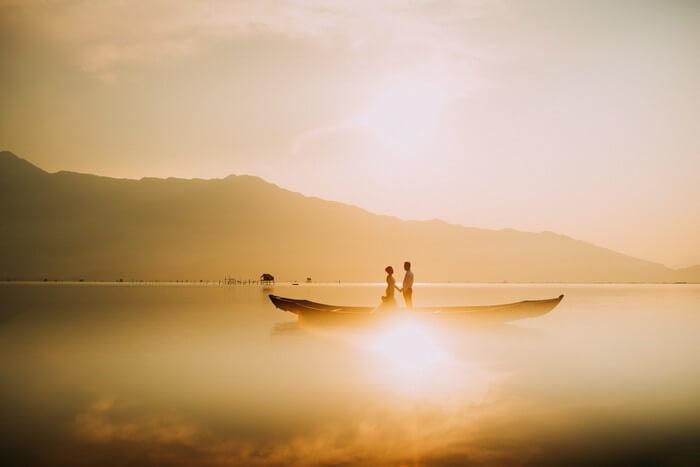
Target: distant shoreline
x,y
252,283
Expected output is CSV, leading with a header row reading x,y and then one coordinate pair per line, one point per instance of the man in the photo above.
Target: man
x,y
407,288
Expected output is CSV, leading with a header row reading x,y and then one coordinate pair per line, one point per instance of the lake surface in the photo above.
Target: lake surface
x,y
108,374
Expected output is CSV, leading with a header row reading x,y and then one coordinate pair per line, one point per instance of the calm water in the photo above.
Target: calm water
x,y
189,375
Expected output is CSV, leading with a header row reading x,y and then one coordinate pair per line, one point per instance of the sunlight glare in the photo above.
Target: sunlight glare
x,y
406,113
409,354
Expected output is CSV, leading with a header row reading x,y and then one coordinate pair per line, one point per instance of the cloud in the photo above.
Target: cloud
x,y
107,35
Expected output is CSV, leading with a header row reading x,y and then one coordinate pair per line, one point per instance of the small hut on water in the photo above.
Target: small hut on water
x,y
267,279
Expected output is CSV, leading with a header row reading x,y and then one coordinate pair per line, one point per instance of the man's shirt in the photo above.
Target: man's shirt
x,y
408,280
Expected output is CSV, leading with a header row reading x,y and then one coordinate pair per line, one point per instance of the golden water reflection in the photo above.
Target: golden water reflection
x,y
217,376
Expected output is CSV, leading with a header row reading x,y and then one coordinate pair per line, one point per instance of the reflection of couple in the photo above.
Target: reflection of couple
x,y
406,289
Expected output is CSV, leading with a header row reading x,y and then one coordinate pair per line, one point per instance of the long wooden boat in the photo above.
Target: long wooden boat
x,y
319,312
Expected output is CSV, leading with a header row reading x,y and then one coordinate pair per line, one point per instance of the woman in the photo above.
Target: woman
x,y
388,299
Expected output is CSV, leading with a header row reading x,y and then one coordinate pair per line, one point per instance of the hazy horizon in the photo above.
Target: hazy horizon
x,y
580,118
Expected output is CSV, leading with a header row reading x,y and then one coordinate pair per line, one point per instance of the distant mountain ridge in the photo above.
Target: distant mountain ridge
x,y
67,225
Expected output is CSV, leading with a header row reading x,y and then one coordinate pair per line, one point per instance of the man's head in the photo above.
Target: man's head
x,y
407,266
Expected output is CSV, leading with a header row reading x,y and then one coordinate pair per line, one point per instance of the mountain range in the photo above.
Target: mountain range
x,y
67,225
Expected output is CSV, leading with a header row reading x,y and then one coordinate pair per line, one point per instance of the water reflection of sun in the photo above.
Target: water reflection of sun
x,y
413,360
407,348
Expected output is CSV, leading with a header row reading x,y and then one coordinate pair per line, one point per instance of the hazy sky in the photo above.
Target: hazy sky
x,y
580,117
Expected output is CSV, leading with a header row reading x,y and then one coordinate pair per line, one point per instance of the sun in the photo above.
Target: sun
x,y
405,113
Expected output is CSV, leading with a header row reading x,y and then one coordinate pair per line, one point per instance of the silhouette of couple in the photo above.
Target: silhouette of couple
x,y
406,289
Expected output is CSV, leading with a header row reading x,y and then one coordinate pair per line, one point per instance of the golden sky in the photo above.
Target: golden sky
x,y
579,117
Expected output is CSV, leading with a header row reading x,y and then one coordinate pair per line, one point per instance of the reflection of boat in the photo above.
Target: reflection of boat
x,y
308,310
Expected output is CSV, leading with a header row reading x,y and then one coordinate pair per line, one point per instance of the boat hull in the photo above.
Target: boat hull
x,y
309,311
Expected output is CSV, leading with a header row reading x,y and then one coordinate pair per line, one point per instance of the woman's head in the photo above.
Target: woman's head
x,y
389,270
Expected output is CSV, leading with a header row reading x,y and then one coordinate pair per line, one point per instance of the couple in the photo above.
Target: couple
x,y
406,289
